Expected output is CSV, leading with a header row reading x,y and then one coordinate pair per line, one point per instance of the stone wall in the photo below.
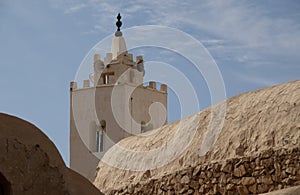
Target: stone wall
x,y
268,171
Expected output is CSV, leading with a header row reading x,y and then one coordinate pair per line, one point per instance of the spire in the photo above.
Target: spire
x,y
119,23
118,33
118,43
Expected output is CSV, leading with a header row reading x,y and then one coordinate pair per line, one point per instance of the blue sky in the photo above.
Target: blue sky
x,y
255,44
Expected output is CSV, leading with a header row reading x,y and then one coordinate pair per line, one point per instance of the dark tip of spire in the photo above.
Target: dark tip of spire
x,y
119,23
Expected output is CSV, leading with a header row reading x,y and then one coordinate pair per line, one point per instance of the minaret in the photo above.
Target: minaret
x,y
115,106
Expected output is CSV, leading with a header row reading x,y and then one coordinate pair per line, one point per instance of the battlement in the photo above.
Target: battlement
x,y
73,85
121,70
152,85
113,71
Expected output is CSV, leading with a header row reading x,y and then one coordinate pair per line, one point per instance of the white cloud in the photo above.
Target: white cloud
x,y
75,8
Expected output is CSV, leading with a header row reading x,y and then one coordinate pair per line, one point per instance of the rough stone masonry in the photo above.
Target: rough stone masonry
x,y
270,170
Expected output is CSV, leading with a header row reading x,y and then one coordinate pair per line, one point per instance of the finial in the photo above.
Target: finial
x,y
119,23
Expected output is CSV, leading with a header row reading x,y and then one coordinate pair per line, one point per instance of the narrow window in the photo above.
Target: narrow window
x,y
99,136
143,127
99,140
106,79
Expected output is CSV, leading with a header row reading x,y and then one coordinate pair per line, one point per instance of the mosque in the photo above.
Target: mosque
x,y
256,152
111,105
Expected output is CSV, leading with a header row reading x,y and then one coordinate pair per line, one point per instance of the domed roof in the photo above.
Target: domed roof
x,y
254,122
31,164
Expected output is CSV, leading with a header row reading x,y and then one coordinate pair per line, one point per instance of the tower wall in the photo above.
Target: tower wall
x,y
81,115
90,106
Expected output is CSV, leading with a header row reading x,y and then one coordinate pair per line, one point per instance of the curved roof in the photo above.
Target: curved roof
x,y
254,121
31,164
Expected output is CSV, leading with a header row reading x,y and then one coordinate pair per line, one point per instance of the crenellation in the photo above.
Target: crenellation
x,y
108,68
86,83
152,84
73,85
97,57
163,87
130,57
107,58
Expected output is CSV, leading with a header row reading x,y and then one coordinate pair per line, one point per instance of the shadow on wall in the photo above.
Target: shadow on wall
x,y
4,186
31,164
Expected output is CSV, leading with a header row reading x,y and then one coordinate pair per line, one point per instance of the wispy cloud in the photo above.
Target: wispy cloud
x,y
212,41
244,22
238,33
75,8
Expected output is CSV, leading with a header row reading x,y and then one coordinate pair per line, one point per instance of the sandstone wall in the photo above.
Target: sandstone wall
x,y
30,164
270,170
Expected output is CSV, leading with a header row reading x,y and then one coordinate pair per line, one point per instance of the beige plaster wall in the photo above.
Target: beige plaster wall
x,y
122,106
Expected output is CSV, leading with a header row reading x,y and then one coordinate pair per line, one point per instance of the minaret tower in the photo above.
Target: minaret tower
x,y
113,104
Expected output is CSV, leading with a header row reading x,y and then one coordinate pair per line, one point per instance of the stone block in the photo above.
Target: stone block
x,y
196,170
266,179
248,181
291,170
253,188
239,171
229,186
185,179
262,188
227,167
242,190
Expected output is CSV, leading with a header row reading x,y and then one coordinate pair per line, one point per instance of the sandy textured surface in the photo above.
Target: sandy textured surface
x,y
289,191
253,122
31,164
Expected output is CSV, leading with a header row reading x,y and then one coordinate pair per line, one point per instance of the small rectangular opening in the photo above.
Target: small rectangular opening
x,y
106,77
